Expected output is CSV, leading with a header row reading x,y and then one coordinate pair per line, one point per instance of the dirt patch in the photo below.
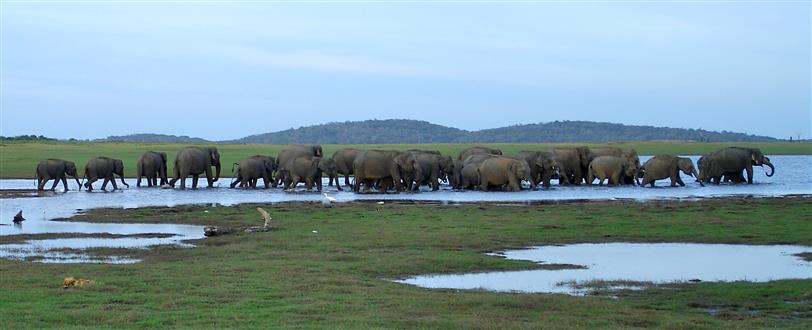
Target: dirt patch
x,y
806,256
20,193
10,239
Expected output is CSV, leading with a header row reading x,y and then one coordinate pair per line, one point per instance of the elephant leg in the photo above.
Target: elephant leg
x,y
209,178
138,181
104,184
319,183
65,183
195,177
89,183
675,178
347,180
41,183
749,174
679,179
56,182
113,180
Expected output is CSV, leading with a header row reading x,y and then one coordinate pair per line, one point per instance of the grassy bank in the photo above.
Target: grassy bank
x,y
292,277
18,160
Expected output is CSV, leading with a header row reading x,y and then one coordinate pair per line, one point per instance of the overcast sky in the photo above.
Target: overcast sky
x,y
223,71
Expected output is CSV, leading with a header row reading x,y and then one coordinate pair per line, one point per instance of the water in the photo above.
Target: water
x,y
632,263
793,176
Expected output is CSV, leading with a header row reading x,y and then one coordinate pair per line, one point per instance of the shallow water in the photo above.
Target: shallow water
x,y
655,263
793,176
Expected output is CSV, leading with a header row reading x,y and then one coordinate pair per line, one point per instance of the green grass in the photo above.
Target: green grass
x,y
291,277
18,160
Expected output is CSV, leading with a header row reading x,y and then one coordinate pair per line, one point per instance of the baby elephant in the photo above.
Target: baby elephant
x,y
104,168
611,168
667,166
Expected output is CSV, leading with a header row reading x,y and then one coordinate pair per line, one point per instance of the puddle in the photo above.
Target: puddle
x,y
613,266
54,250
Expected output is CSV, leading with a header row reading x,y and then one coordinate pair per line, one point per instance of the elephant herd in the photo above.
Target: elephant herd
x,y
478,168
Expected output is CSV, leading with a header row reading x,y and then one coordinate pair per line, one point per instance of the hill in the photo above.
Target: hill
x,y
414,131
362,132
152,138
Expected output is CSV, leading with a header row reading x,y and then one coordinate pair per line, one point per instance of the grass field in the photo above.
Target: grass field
x,y
291,277
18,160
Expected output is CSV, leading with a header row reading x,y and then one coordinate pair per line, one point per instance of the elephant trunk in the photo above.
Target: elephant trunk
x,y
122,180
772,169
217,173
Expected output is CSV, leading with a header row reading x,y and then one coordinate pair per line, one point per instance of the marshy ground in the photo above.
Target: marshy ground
x,y
328,267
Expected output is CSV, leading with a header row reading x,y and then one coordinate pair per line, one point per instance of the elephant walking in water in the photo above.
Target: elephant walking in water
x,y
104,168
195,161
250,170
503,171
56,169
343,159
730,162
667,166
151,165
292,152
611,168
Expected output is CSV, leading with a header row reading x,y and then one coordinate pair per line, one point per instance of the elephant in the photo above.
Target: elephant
x,y
466,171
250,170
195,161
631,154
611,168
295,151
343,159
304,169
152,165
501,171
730,162
56,169
434,168
378,165
667,166
104,168
478,150
543,166
572,164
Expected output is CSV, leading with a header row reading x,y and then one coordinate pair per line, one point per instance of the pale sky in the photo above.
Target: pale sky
x,y
227,70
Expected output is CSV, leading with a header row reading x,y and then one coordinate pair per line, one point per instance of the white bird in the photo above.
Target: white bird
x,y
328,201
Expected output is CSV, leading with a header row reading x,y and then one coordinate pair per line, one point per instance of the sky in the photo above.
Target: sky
x,y
219,70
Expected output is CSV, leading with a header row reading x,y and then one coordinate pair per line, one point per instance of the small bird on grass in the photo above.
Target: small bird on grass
x,y
328,200
19,217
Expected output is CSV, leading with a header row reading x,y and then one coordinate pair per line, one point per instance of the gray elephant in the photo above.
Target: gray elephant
x,y
373,166
543,166
611,168
667,166
434,168
307,169
468,173
503,171
195,161
629,154
56,169
293,152
477,150
572,164
343,159
730,162
250,170
104,168
152,165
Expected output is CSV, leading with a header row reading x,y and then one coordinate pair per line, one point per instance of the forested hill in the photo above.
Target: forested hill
x,y
413,131
363,132
154,138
